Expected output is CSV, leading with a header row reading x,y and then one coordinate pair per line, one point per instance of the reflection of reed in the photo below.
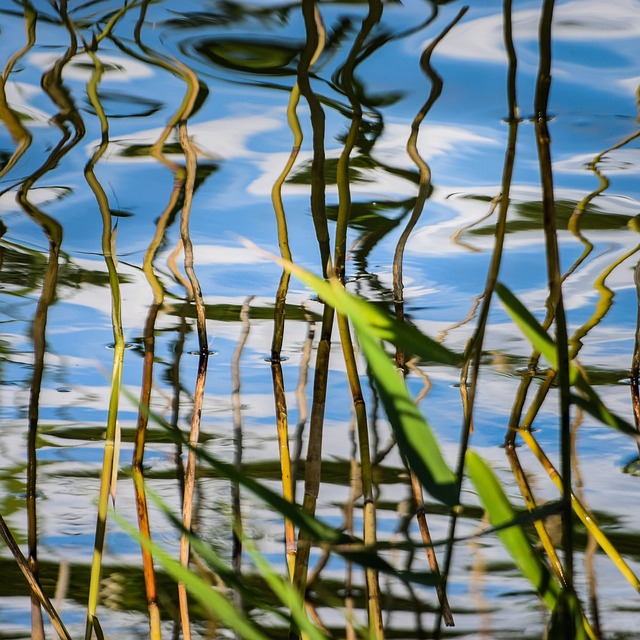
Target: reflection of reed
x,y
471,369
314,36
144,408
345,76
635,361
555,300
282,425
574,345
33,582
110,258
236,552
11,119
52,85
424,190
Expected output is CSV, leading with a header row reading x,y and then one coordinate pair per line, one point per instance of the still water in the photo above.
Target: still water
x,y
142,151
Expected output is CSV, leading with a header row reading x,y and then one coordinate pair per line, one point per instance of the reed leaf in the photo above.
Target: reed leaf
x,y
217,605
589,401
375,321
416,440
289,597
513,537
349,547
567,619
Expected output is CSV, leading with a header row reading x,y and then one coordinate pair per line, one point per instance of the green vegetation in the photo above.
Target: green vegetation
x,y
188,578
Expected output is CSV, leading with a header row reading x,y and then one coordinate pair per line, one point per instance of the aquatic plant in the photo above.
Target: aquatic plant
x,y
212,580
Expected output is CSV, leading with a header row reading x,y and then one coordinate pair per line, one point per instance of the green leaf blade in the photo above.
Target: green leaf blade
x,y
514,539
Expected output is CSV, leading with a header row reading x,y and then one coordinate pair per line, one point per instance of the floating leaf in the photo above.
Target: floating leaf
x,y
255,56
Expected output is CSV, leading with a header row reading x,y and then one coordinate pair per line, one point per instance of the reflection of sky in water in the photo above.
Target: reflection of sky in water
x,y
241,135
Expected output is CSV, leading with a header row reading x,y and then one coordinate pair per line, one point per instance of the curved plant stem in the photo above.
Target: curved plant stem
x,y
315,35
109,253
424,190
203,343
282,423
143,414
11,120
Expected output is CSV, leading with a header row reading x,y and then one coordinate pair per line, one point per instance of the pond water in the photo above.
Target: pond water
x,y
139,136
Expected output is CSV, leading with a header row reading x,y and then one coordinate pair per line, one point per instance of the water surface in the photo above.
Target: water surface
x,y
92,164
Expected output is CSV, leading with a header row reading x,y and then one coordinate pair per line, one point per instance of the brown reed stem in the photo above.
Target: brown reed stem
x,y
556,304
203,343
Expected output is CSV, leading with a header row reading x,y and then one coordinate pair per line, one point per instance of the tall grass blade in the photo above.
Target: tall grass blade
x,y
415,438
216,604
502,515
514,539
379,323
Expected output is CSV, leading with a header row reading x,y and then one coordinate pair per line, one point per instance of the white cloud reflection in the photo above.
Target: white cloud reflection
x,y
434,141
614,162
481,39
221,139
81,67
19,96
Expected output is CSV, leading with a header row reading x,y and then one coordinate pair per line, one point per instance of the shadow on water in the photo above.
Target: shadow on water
x,y
239,461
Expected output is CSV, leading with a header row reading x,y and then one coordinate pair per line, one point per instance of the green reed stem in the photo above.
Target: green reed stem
x,y
282,423
315,36
345,75
109,254
585,516
529,500
314,446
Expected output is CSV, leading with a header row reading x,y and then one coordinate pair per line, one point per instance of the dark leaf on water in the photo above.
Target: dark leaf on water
x,y
141,150
120,213
528,217
270,57
371,216
231,312
633,467
197,19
